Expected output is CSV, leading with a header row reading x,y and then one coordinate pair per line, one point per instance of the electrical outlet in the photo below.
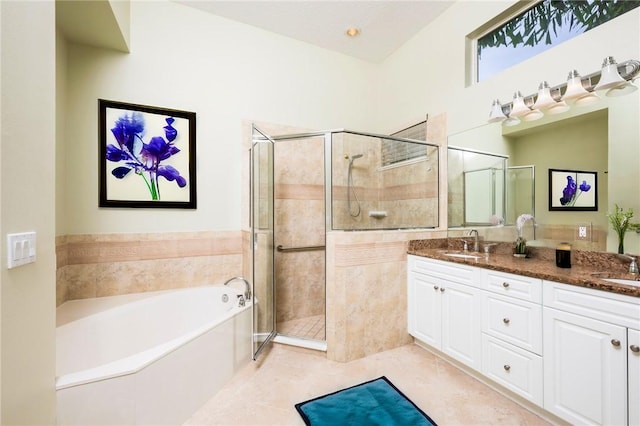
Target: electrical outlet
x,y
583,231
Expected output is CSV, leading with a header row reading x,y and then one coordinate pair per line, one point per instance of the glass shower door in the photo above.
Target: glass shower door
x,y
262,230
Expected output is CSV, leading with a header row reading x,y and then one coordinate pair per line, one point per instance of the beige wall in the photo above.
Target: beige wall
x,y
27,200
427,74
226,72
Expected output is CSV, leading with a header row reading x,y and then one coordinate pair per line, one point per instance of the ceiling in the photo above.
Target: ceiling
x,y
384,25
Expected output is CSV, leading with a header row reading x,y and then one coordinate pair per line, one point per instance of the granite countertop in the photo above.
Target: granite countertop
x,y
588,268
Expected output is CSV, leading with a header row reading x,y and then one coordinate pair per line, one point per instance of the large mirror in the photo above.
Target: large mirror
x,y
593,140
475,187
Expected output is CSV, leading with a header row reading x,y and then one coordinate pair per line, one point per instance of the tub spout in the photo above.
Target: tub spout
x,y
247,287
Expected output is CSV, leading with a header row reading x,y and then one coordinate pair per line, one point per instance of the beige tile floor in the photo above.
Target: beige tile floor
x,y
305,328
265,391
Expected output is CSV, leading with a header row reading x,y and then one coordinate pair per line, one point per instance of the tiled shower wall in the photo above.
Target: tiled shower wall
x,y
408,194
367,278
299,222
99,265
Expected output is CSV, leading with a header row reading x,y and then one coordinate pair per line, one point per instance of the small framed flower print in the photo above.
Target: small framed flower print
x,y
146,156
573,190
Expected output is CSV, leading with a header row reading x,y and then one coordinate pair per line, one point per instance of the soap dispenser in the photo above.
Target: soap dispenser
x,y
563,255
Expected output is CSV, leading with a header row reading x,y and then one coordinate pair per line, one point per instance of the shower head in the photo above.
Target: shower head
x,y
353,157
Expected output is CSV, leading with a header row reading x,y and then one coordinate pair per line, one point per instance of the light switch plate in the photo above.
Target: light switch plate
x,y
21,249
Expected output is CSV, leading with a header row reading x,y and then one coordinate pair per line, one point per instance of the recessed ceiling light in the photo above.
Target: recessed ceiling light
x,y
353,31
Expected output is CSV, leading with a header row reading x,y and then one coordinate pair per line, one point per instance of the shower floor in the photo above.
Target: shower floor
x,y
306,328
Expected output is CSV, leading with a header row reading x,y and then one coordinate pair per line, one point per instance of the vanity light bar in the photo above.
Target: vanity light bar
x,y
616,79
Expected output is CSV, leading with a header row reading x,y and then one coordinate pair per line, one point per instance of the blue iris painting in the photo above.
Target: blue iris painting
x,y
572,191
145,159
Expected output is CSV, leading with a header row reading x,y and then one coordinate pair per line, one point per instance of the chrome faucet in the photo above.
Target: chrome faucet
x,y
633,266
476,245
247,287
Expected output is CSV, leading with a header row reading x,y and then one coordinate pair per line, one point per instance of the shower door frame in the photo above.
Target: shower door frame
x,y
261,339
327,136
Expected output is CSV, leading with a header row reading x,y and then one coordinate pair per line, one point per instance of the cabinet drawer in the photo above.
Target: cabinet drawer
x,y
517,286
516,369
462,274
601,305
516,321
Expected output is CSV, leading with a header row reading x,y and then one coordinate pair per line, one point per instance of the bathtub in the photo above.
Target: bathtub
x,y
148,359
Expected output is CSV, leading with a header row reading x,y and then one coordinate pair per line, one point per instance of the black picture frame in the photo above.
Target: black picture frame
x,y
573,190
146,156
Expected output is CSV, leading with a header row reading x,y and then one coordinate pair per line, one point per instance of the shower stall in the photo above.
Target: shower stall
x,y
306,185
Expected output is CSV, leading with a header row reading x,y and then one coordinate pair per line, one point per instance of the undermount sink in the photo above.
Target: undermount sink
x,y
463,255
623,281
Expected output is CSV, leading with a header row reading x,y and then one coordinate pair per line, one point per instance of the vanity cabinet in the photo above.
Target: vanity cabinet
x,y
633,362
512,333
590,369
572,350
444,308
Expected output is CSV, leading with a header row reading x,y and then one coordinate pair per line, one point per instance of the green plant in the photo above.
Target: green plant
x,y
620,222
521,246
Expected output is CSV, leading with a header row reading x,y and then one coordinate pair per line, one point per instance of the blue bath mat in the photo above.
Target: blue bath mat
x,y
377,402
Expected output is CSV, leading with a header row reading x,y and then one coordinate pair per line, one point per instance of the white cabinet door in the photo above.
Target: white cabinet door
x,y
461,323
633,341
424,309
585,369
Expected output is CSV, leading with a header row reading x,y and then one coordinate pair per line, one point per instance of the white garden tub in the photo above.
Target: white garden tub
x,y
148,359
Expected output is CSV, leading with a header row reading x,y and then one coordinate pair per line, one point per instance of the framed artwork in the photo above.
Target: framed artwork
x,y
146,156
573,190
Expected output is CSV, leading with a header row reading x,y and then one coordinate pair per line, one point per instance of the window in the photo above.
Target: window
x,y
541,27
394,152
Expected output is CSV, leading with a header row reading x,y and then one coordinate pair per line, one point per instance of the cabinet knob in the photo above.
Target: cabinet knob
x,y
634,348
435,287
615,342
506,320
442,289
507,367
505,284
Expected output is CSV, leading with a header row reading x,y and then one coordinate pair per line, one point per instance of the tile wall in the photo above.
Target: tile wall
x,y
101,265
299,222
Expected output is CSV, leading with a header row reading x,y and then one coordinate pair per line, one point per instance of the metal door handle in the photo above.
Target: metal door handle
x,y
634,348
442,289
507,367
615,342
435,287
505,284
506,320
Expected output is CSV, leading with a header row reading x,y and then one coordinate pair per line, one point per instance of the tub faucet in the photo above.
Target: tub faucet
x,y
476,246
247,287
